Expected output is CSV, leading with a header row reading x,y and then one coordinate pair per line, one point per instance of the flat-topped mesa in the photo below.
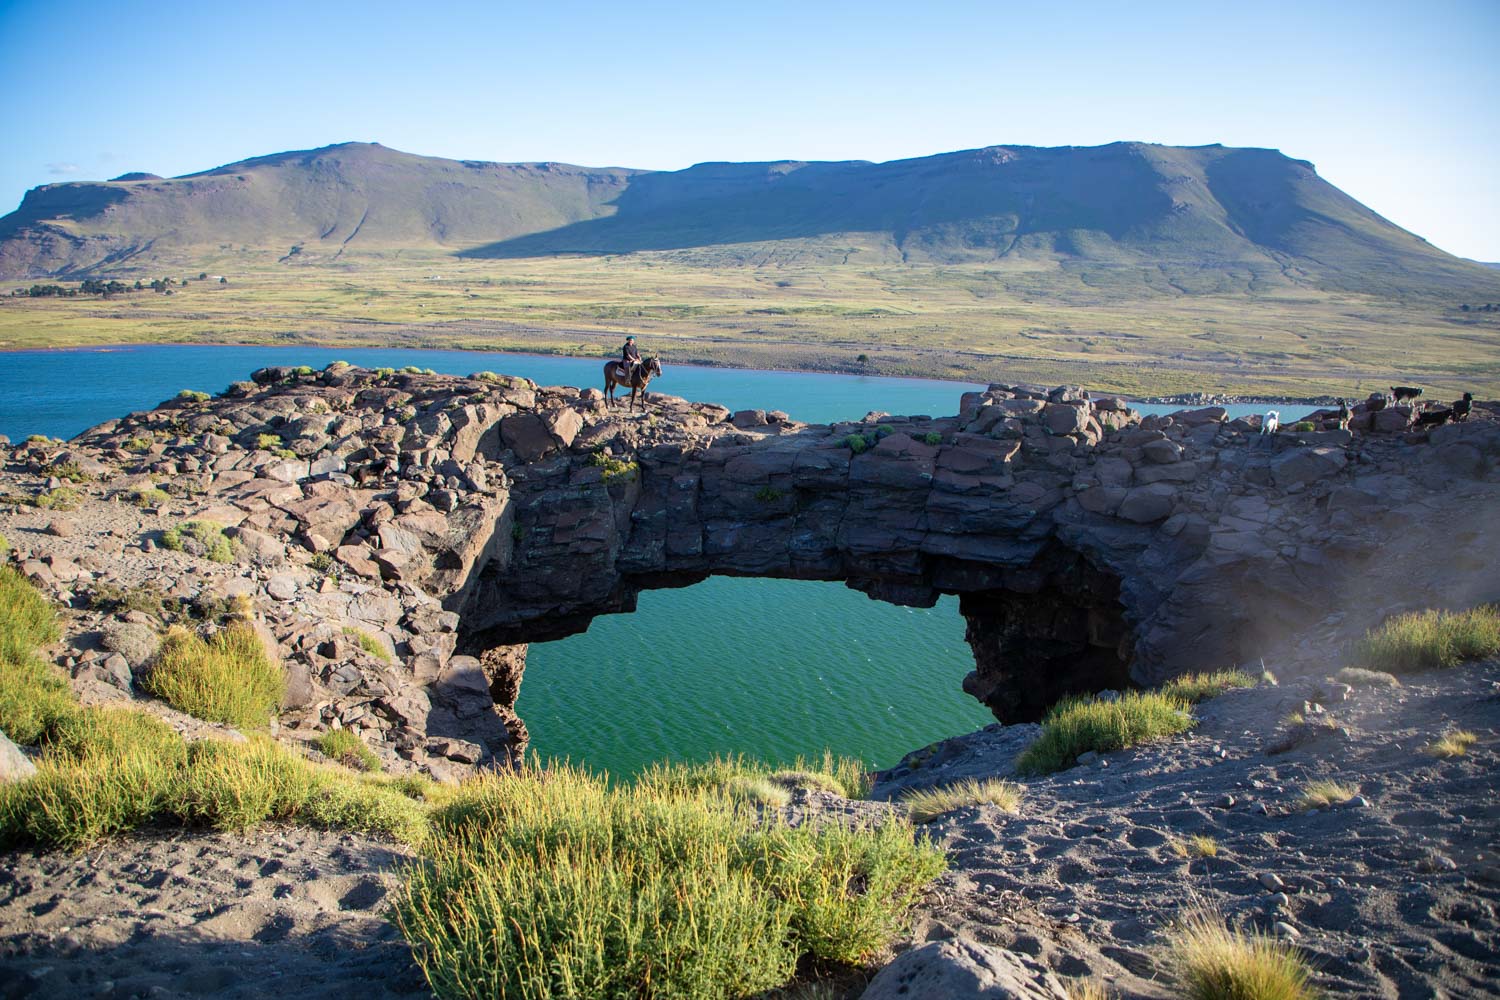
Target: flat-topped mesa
x,y
1089,547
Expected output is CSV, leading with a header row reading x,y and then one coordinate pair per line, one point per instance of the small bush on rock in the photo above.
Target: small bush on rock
x,y
1077,725
369,644
225,678
64,498
192,396
1427,640
149,497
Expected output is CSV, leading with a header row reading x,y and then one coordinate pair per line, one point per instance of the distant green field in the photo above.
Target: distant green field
x,y
1117,328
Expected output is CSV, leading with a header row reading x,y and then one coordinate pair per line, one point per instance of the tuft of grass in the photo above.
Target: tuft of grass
x,y
34,695
343,747
1087,989
1453,743
1303,427
768,494
225,678
1359,677
4,545
1193,688
552,884
199,538
193,396
1077,725
369,644
1426,640
844,776
1199,845
1212,962
1322,794
933,438
268,442
139,443
69,471
928,804
857,443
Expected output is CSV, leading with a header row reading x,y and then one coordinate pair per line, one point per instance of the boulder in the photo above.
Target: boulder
x,y
1064,418
1148,504
1392,419
136,643
962,969
1162,451
1304,465
14,765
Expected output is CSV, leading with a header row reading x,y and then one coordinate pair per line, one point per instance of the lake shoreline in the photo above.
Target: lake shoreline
x,y
1187,401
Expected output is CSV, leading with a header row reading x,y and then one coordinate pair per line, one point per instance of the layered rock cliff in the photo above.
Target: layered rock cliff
x,y
453,520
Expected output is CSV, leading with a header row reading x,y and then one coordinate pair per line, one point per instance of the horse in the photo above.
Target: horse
x,y
636,381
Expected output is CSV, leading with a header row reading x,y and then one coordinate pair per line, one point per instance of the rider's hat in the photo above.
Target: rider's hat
x,y
629,338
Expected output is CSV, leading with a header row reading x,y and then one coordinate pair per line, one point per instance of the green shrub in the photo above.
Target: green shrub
x,y
268,442
225,678
1426,640
69,471
149,497
64,498
768,494
1077,725
369,644
1212,962
554,885
487,377
303,370
857,443
933,438
343,747
1193,688
193,396
614,468
4,545
200,538
139,443
1303,427
411,370
384,372
928,804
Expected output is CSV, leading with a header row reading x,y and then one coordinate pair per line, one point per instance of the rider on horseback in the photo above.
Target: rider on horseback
x,y
630,358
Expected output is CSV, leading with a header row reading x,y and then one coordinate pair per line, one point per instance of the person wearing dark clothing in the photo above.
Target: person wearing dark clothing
x,y
630,356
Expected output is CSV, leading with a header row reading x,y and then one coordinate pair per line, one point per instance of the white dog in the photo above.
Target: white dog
x,y
1270,422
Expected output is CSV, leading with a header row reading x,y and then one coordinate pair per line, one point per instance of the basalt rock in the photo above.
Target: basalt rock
x,y
452,520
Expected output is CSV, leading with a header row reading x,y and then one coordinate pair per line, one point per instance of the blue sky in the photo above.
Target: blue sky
x,y
1394,102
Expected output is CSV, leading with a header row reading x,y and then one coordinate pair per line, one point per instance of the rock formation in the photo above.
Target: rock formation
x,y
406,534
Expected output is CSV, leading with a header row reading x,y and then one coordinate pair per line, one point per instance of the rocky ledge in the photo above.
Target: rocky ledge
x,y
403,535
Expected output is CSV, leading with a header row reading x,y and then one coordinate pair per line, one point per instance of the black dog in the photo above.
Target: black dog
x,y
1405,392
1462,407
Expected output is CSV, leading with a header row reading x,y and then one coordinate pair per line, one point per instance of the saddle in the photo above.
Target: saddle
x,y
623,372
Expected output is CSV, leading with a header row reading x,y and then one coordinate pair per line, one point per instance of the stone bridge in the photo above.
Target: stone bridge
x,y
1089,547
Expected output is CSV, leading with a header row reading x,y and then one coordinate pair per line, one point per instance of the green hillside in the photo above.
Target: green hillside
x,y
1130,216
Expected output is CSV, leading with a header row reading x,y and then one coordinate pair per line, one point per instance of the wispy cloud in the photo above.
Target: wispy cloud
x,y
59,169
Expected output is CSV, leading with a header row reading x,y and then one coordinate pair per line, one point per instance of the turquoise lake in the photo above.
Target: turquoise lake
x,y
767,668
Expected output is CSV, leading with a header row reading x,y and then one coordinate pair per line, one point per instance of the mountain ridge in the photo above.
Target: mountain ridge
x,y
1220,217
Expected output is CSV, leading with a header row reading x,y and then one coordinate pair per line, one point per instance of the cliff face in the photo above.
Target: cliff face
x,y
457,519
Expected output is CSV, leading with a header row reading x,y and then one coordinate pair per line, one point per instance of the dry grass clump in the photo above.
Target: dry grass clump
x,y
1077,725
1212,962
1360,677
1193,688
1454,743
149,497
1087,989
1199,845
551,884
225,678
928,804
343,747
4,545
1426,640
1322,794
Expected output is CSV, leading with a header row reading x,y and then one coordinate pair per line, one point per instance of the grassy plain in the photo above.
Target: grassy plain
x,y
1117,328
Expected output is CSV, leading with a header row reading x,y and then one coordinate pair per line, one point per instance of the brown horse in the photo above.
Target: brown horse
x,y
636,382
